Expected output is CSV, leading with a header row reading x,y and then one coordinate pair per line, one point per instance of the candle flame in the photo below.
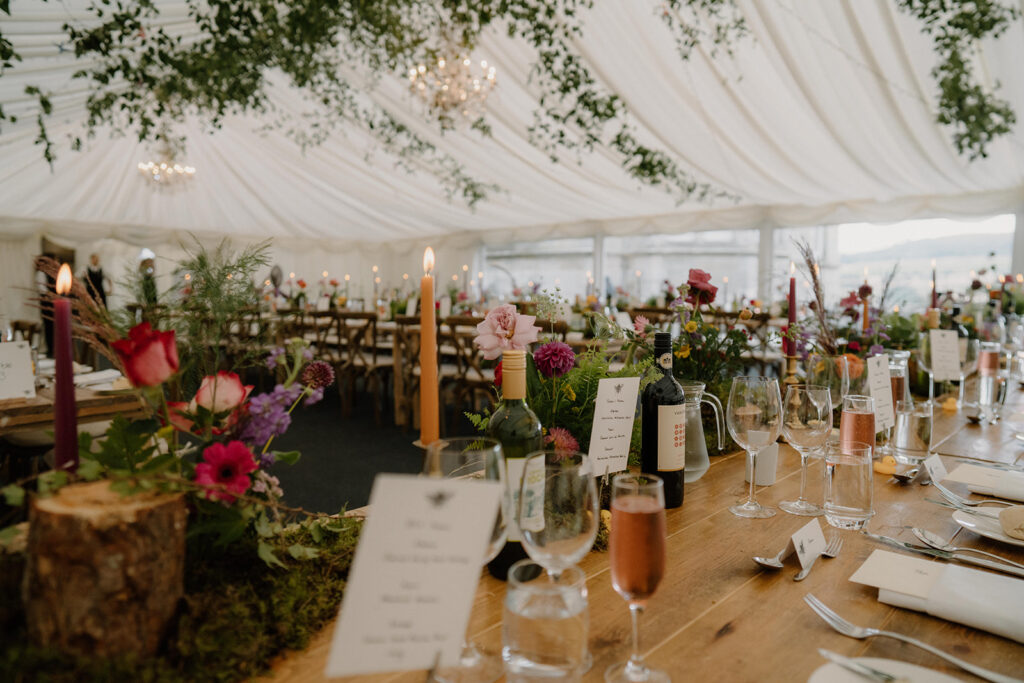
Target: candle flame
x,y
291,275
324,273
480,275
896,308
428,261
725,280
374,269
464,268
347,277
1002,279
1020,278
405,276
64,279
792,268
931,284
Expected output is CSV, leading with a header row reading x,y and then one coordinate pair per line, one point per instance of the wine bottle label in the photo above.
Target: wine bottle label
x,y
671,438
531,516
514,469
665,361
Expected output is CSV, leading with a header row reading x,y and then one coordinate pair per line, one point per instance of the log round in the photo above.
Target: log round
x,y
104,572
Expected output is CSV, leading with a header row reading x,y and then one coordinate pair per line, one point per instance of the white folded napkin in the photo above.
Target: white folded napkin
x,y
1010,489
99,377
987,601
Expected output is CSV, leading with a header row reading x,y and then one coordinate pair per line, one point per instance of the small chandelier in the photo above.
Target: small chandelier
x,y
166,171
454,87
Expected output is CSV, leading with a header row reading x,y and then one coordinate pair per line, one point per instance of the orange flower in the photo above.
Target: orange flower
x,y
855,365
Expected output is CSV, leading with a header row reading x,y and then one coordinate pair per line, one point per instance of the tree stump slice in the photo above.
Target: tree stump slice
x,y
104,572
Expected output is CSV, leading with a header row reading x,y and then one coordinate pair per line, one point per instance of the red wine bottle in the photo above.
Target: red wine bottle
x,y
663,445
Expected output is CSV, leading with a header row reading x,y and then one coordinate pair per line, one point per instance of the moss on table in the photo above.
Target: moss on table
x,y
237,615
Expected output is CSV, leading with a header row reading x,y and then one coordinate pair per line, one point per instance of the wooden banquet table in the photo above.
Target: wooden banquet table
x,y
718,616
20,414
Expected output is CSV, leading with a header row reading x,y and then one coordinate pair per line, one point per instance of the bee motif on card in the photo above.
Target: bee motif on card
x,y
438,498
618,388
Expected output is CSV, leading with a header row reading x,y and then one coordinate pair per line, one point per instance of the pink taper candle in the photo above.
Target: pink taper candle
x,y
789,347
65,419
429,422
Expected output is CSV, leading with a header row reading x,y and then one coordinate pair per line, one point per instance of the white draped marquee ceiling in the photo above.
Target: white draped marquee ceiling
x,y
825,113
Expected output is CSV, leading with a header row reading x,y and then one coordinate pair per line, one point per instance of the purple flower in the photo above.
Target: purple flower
x,y
307,353
318,375
314,397
554,359
876,350
274,359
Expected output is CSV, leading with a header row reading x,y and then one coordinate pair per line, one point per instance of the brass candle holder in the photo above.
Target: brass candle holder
x,y
790,371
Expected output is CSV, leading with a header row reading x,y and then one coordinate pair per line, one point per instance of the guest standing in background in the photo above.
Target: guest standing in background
x,y
45,283
98,283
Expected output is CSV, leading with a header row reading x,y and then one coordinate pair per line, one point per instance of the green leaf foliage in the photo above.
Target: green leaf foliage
x,y
266,553
14,495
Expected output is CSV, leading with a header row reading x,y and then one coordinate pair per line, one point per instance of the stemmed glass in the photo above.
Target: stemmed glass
x,y
473,458
753,416
924,359
558,509
968,364
832,372
806,424
636,548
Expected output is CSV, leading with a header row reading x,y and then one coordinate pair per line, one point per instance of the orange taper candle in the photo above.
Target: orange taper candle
x,y
428,354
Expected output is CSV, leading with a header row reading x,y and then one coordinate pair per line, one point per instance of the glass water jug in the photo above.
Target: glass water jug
x,y
697,461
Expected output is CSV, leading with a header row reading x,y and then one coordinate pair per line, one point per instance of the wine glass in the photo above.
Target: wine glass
x,y
473,458
636,549
832,372
969,349
753,417
558,509
806,424
924,359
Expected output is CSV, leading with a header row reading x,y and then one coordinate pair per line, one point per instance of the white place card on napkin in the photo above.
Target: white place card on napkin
x,y
933,465
414,576
881,390
945,355
988,481
984,600
614,411
16,380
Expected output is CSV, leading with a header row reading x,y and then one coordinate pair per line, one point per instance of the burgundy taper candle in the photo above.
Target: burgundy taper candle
x,y
789,347
65,419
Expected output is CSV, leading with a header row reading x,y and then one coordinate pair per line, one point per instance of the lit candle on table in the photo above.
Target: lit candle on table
x,y
935,293
65,420
429,424
480,279
725,293
465,278
1002,283
790,346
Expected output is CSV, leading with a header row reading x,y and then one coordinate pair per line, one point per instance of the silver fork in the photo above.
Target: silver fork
x,y
835,544
860,632
960,500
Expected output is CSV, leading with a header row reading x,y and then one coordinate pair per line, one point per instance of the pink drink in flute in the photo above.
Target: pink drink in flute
x,y
637,547
637,550
858,420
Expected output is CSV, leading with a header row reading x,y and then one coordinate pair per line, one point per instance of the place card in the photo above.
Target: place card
x,y
414,575
16,380
808,543
903,574
945,355
623,320
410,305
985,477
880,386
614,411
445,309
936,470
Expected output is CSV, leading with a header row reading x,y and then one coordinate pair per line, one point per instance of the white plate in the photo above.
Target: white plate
x,y
833,673
984,526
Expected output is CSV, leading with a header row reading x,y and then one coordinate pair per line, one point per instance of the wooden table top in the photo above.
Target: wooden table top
x,y
37,413
718,616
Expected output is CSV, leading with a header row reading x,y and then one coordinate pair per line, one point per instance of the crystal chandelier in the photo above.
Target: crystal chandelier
x,y
166,171
454,87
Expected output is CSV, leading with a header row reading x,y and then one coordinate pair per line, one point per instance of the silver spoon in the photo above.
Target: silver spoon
x,y
935,541
772,562
906,477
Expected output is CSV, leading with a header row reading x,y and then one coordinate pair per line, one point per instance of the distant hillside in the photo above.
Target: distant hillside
x,y
977,246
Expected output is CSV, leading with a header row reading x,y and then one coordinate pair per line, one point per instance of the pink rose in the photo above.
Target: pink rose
x,y
221,392
178,412
701,289
149,356
504,329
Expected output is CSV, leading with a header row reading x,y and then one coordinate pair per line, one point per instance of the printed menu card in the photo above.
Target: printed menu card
x,y
945,355
412,583
16,380
614,411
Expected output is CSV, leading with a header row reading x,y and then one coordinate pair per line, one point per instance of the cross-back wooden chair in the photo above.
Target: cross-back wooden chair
x,y
472,379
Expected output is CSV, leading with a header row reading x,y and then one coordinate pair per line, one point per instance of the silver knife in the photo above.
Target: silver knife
x,y
860,668
946,555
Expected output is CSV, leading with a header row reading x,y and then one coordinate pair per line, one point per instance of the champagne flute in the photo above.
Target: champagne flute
x,y
482,459
753,419
806,424
636,549
924,359
558,509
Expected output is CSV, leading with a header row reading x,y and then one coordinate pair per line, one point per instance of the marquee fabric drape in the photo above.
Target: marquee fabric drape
x,y
824,113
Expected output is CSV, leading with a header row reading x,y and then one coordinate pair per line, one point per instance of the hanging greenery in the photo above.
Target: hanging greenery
x,y
146,70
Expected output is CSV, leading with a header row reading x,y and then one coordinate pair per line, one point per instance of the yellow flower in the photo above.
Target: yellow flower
x,y
683,352
968,319
691,326
569,393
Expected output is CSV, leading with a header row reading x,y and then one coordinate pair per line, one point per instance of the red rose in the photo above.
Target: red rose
x,y
497,375
301,284
853,346
149,356
701,289
177,412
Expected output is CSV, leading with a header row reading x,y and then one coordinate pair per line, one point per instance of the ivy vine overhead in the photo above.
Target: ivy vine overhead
x,y
644,105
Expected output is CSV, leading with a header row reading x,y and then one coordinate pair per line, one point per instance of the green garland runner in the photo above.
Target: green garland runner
x,y
237,615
